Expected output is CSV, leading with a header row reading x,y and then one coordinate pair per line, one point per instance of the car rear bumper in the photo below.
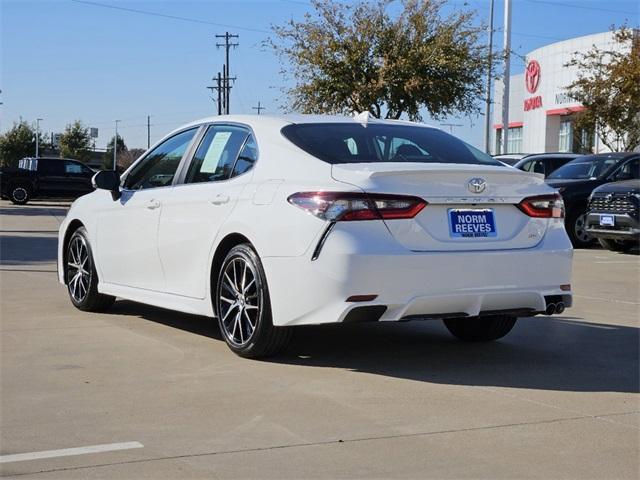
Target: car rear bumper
x,y
363,259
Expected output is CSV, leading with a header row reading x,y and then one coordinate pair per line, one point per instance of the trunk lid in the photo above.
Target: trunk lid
x,y
446,187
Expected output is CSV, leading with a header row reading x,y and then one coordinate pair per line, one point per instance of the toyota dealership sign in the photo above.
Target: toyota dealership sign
x,y
531,82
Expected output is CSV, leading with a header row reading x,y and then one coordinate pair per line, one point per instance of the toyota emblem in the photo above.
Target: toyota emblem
x,y
477,185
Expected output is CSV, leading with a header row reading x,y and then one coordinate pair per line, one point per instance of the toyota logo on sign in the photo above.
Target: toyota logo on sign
x,y
532,76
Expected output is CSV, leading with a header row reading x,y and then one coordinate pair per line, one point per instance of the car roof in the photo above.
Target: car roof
x,y
552,154
279,121
618,155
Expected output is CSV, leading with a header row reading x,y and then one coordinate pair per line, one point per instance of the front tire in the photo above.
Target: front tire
x,y
19,194
81,276
480,329
243,306
576,225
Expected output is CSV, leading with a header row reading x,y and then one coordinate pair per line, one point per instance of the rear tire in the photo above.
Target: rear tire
x,y
243,306
576,224
81,276
19,194
480,329
616,245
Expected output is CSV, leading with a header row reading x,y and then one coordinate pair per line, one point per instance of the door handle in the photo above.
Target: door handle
x,y
152,204
219,199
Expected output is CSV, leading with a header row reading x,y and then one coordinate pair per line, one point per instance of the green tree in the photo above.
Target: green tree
x,y
608,85
121,147
75,142
358,57
16,143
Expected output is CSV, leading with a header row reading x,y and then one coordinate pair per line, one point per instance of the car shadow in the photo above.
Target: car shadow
x,y
26,250
34,211
544,353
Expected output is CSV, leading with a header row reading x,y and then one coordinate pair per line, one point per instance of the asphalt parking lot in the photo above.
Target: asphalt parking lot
x,y
557,398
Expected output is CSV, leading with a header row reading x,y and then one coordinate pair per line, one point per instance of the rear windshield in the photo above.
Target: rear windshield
x,y
359,143
584,168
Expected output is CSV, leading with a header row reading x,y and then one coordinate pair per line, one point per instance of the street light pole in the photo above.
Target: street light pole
x,y
505,79
115,148
38,120
487,110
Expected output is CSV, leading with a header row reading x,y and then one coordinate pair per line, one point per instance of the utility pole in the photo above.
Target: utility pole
x,y
487,110
259,108
451,125
505,79
218,88
115,147
38,120
227,72
148,131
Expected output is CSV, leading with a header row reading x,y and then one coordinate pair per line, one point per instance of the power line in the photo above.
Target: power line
x,y
583,7
172,17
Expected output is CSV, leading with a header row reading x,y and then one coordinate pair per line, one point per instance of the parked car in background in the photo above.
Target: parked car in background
x,y
45,177
577,179
510,158
545,163
614,215
272,222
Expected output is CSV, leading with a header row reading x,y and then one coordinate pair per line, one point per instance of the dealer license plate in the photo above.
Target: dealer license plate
x,y
472,223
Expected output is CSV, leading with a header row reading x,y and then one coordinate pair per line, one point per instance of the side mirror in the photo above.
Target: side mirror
x,y
107,180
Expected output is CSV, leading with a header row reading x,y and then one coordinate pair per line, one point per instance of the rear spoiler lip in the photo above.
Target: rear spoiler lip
x,y
369,169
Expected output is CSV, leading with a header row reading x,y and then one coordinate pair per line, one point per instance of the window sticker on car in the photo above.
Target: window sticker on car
x,y
212,158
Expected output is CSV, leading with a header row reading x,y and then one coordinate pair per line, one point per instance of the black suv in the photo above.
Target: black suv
x,y
577,179
45,177
614,215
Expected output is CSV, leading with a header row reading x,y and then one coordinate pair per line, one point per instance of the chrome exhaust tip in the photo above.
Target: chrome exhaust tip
x,y
551,308
559,307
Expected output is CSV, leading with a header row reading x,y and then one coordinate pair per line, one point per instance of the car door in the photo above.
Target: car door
x,y
127,230
51,177
199,204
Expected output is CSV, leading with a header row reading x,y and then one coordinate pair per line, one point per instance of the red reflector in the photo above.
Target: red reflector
x,y
566,287
362,298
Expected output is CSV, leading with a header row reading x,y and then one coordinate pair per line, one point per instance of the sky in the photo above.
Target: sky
x,y
99,60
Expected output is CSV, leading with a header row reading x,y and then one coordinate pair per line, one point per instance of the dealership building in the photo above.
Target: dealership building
x,y
540,110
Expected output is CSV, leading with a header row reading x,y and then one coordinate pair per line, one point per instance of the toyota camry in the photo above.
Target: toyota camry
x,y
266,223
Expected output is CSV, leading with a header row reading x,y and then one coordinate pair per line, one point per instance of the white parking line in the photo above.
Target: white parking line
x,y
65,452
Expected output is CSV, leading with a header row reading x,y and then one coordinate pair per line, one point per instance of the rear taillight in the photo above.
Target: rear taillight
x,y
351,206
544,206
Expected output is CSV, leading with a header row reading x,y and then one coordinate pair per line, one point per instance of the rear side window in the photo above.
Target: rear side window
x,y
337,143
51,167
216,156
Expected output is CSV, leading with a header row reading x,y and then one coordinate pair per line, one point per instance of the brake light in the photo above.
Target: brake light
x,y
544,206
352,206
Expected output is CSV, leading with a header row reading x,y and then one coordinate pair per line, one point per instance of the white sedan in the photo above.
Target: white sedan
x,y
266,223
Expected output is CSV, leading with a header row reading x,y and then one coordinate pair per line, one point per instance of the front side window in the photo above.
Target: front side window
x,y
583,168
72,168
159,166
337,143
218,157
629,171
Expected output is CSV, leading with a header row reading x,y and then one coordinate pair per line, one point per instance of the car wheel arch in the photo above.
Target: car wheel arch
x,y
71,228
222,249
